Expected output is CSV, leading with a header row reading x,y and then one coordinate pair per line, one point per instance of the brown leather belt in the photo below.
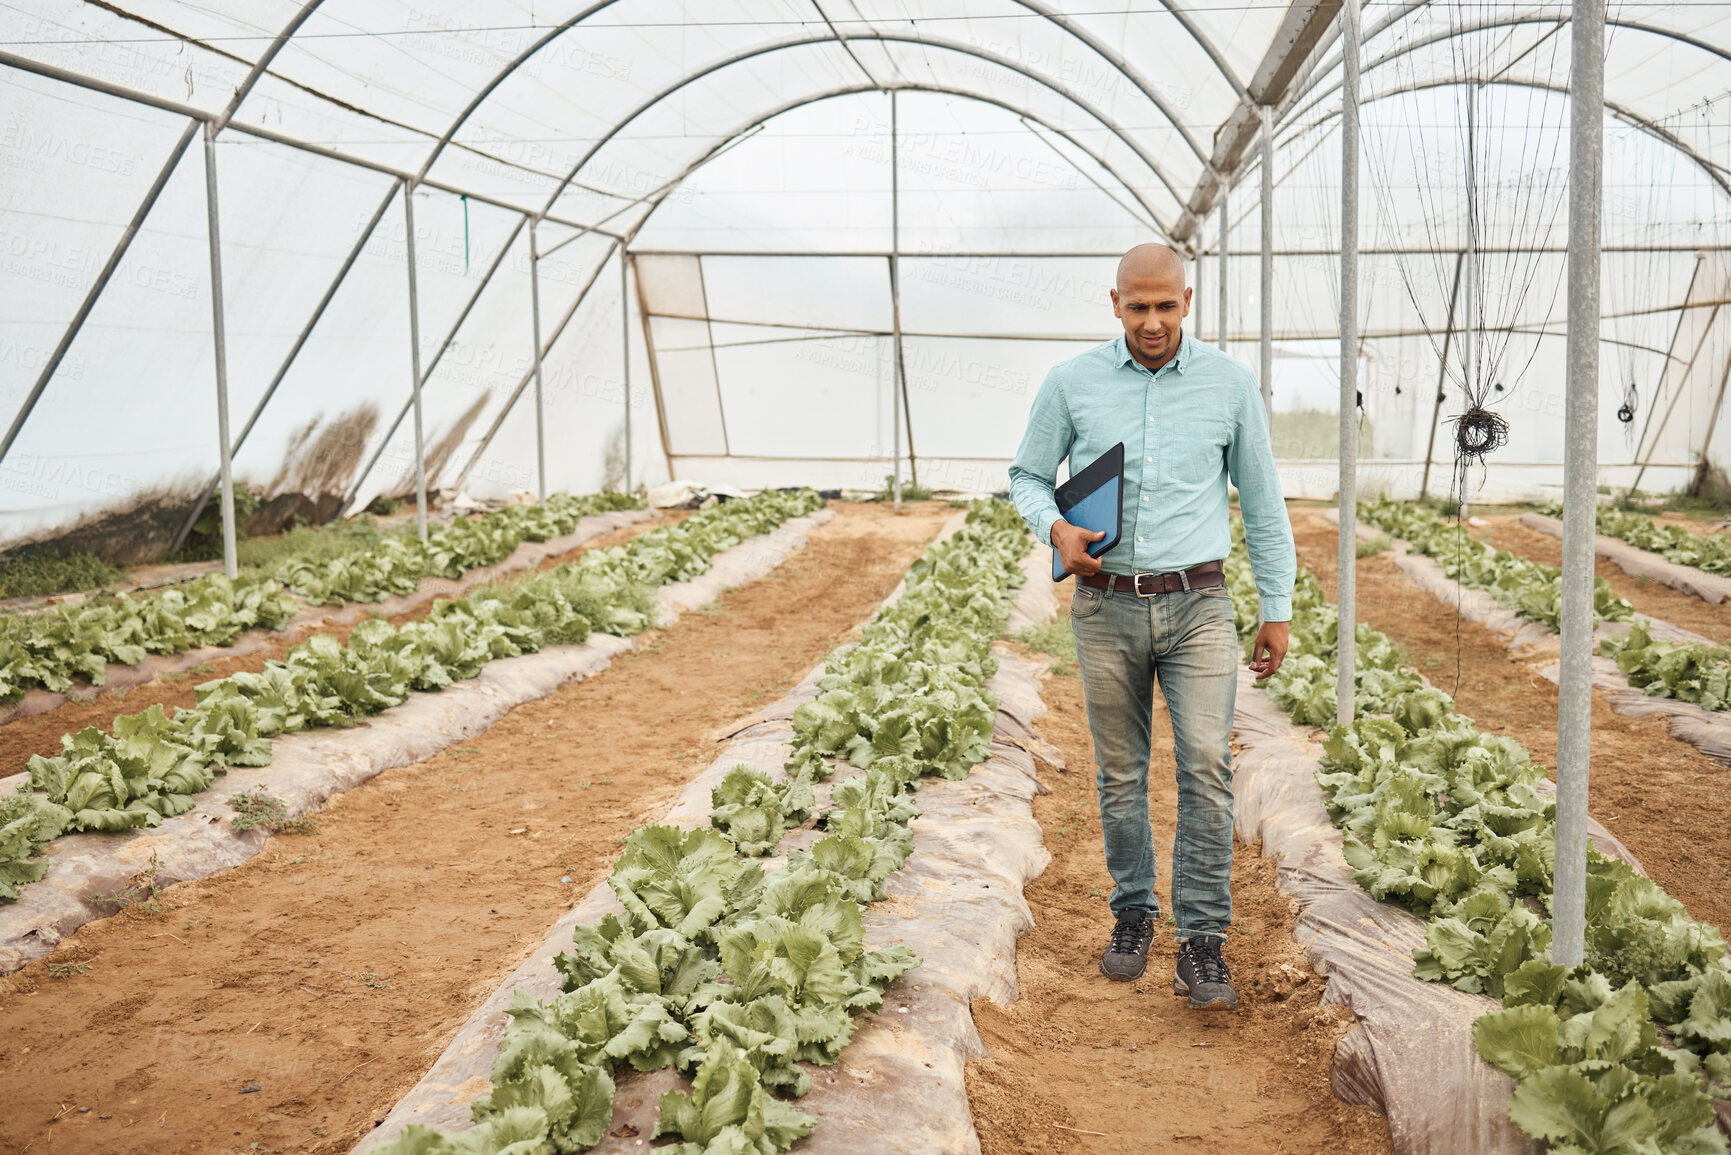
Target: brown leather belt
x,y
1146,585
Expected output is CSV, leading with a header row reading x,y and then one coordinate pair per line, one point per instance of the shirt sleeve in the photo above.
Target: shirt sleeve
x,y
1267,529
1034,473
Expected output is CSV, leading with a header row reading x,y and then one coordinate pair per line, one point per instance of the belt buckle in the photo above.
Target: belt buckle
x,y
1136,584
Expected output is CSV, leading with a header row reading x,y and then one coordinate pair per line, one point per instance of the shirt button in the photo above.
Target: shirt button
x,y
1150,421
1148,459
1144,499
1138,539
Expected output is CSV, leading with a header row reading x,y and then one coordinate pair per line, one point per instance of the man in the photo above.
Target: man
x,y
1155,607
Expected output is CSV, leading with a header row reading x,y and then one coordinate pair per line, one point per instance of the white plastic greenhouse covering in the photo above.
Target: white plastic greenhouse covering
x,y
727,195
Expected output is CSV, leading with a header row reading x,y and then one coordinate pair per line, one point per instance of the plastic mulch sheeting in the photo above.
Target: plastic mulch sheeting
x,y
1707,730
1709,587
308,767
1411,1056
956,902
526,556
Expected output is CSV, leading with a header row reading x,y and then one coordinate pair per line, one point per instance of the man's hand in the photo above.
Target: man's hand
x,y
1269,649
1071,542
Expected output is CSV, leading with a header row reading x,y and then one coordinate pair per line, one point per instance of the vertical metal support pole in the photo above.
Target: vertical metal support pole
x,y
1442,378
415,356
1197,296
896,300
1267,290
535,324
1580,479
219,336
625,347
1469,331
1472,345
1222,323
643,319
1348,556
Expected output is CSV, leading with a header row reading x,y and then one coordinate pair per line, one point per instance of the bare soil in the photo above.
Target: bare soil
x,y
40,733
1652,598
1082,1064
1662,797
289,1003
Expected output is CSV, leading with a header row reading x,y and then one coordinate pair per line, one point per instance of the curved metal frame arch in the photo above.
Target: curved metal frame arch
x,y
1626,115
145,204
1058,19
724,142
853,90
803,42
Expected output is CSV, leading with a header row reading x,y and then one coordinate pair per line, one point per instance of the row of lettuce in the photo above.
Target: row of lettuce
x,y
1690,672
152,765
1623,1053
733,977
1709,552
46,650
1530,588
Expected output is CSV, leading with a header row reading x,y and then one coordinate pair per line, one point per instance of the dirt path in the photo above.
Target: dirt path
x,y
289,1003
1083,1064
1664,798
40,733
1647,596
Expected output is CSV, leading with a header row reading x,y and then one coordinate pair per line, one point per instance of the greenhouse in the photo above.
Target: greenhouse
x,y
536,537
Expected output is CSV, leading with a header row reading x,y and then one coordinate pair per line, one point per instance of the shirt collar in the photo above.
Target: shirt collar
x,y
1176,365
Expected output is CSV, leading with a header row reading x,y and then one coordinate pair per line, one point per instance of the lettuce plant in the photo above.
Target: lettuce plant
x,y
1710,552
736,978
153,765
1621,1054
48,650
1530,589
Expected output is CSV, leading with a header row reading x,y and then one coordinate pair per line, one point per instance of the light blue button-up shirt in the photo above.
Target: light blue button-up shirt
x,y
1186,429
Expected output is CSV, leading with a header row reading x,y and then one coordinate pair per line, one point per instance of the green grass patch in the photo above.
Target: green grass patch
x,y
315,543
259,808
43,572
1055,638
1371,546
910,491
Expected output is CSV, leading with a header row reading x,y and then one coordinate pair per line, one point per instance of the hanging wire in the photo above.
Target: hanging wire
x,y
1483,199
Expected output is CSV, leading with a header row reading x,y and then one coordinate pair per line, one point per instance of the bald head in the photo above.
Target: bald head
x,y
1152,301
1152,261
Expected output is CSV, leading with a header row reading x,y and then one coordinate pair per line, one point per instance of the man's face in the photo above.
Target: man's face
x,y
1153,307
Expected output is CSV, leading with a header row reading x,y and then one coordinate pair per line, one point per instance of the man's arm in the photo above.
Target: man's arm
x,y
1045,443
1267,529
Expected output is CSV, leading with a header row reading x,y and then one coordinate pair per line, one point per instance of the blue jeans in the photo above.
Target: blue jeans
x,y
1185,640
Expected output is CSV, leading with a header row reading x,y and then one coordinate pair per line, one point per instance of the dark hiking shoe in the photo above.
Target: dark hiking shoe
x,y
1202,973
1126,955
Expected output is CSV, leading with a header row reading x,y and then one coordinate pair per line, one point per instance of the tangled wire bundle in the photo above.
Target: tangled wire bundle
x,y
1478,431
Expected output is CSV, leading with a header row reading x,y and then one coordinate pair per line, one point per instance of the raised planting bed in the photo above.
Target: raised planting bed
x,y
1698,564
79,871
1707,729
83,647
1455,827
938,887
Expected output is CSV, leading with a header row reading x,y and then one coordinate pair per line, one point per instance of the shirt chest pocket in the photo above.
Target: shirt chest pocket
x,y
1192,452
